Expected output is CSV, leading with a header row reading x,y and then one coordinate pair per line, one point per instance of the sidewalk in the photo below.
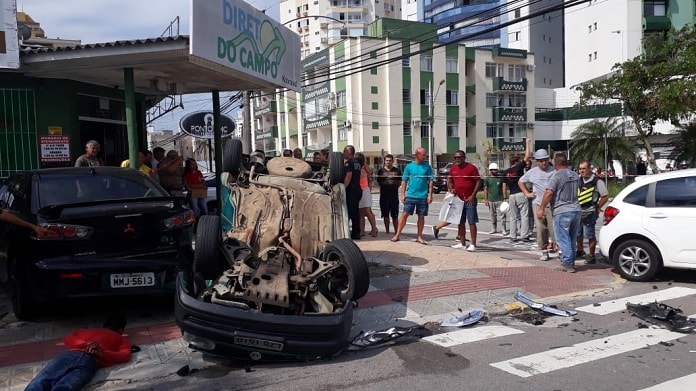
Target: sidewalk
x,y
411,283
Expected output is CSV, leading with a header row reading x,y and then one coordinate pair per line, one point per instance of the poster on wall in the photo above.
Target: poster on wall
x,y
54,148
9,44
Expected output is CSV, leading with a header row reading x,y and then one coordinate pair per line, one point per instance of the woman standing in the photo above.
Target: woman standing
x,y
193,179
365,206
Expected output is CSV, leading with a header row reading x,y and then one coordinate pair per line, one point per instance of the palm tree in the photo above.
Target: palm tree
x,y
588,141
684,144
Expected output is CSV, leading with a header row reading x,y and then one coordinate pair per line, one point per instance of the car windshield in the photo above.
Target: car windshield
x,y
68,189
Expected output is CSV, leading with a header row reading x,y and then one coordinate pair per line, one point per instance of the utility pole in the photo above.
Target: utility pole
x,y
431,132
246,132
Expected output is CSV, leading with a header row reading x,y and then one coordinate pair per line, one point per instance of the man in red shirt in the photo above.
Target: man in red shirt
x,y
90,349
464,181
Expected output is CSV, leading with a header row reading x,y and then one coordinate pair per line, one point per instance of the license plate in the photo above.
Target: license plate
x,y
132,280
259,343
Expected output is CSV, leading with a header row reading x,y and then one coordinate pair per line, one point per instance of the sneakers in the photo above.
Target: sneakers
x,y
471,248
458,246
566,269
544,255
506,233
590,260
435,232
493,231
579,254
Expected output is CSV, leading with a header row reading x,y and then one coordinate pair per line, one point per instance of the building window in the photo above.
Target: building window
x,y
595,56
516,72
494,70
375,105
373,89
491,100
517,13
494,131
375,125
514,36
451,65
375,139
654,8
373,54
425,129
373,71
341,98
343,133
426,63
406,95
589,57
406,62
407,129
452,97
452,129
425,97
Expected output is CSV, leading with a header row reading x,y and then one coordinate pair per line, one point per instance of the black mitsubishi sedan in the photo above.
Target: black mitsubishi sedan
x,y
114,231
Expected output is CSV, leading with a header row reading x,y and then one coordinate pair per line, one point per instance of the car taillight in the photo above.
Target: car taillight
x,y
180,220
66,232
609,213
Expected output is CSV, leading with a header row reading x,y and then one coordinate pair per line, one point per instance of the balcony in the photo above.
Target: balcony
x,y
510,144
656,23
507,114
268,107
500,84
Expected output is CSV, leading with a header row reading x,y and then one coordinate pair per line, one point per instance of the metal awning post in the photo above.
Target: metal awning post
x,y
131,127
217,132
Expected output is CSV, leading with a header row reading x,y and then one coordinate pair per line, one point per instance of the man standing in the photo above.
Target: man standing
x,y
539,178
592,195
416,193
519,206
493,197
91,155
389,180
157,158
464,181
562,194
353,190
89,350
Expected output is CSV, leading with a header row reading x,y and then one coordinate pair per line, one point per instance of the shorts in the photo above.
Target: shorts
x,y
587,226
419,204
389,205
469,214
366,199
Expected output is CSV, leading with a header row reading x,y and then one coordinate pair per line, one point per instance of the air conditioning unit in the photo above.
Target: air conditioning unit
x,y
305,13
324,40
324,25
332,105
530,125
530,67
306,27
415,123
347,124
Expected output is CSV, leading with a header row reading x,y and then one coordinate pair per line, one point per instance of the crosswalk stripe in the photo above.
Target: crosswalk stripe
x,y
685,383
584,352
617,305
462,336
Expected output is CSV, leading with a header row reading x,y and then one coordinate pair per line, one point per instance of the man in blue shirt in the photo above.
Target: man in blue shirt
x,y
416,193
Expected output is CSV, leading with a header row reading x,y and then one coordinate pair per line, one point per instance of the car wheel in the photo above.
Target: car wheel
x,y
637,260
337,170
352,280
289,167
206,259
232,156
23,304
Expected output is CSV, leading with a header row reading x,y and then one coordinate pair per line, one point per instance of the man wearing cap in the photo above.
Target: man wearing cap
x,y
562,195
493,197
519,206
539,178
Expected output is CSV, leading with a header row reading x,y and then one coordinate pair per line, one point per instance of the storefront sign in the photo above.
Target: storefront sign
x,y
54,148
201,125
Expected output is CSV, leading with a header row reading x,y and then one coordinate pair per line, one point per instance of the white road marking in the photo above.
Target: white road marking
x,y
463,336
585,352
685,383
617,305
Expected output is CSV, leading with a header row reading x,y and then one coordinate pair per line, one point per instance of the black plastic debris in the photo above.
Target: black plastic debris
x,y
663,315
373,339
183,371
543,307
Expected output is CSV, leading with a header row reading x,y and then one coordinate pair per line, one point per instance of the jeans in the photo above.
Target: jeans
x,y
198,206
519,214
567,225
69,370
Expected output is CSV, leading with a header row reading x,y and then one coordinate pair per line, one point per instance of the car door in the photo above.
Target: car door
x,y
671,216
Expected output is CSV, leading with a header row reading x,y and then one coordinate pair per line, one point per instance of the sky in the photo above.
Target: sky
x,y
96,21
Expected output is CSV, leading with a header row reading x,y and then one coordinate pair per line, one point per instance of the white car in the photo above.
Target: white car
x,y
649,225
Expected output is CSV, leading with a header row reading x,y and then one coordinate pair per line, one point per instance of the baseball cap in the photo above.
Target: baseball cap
x,y
493,166
541,154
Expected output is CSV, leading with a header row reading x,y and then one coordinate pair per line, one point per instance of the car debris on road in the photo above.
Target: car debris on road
x,y
543,307
663,315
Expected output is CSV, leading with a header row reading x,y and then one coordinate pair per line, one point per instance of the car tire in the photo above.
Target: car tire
x,y
289,167
354,266
23,304
232,156
207,260
337,170
637,260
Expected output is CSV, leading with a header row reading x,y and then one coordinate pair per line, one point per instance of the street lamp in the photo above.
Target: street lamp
x,y
431,134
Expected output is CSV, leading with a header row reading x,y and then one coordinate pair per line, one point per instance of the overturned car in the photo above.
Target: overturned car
x,y
281,284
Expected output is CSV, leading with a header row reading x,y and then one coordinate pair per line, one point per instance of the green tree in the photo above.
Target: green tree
x,y
685,145
659,84
588,142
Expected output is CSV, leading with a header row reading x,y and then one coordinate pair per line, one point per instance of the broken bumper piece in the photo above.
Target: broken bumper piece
x,y
543,307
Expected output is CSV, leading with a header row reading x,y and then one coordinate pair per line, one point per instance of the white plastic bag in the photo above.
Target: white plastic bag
x,y
452,208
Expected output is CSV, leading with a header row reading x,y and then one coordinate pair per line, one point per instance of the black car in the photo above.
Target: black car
x,y
115,231
440,184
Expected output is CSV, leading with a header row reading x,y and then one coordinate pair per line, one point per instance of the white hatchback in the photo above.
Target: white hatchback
x,y
650,225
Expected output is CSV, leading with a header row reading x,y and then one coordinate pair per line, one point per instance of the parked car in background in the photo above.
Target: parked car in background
x,y
115,231
282,282
649,225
